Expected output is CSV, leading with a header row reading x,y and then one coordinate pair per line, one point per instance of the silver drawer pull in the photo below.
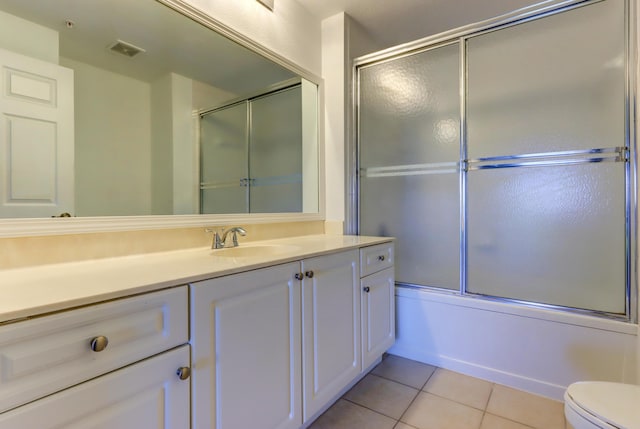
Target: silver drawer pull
x,y
99,343
381,258
367,289
183,372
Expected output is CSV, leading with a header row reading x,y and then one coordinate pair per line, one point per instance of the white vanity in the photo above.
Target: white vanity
x,y
266,335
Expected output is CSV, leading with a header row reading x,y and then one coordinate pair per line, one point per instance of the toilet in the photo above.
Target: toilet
x,y
602,405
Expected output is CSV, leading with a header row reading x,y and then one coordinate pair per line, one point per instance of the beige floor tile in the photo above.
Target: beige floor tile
x,y
494,422
405,371
401,425
523,407
346,415
384,396
460,388
433,412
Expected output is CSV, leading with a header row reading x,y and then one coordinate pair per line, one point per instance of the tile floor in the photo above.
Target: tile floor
x,y
404,394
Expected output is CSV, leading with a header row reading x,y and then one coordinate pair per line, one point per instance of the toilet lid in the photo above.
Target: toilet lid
x,y
614,403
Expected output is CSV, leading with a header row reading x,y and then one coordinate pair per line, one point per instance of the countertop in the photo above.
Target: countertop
x,y
28,292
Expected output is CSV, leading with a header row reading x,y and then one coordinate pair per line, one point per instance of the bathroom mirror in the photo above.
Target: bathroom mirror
x,y
102,107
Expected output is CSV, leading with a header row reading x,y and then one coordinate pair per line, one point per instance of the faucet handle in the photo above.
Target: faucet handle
x,y
237,230
216,242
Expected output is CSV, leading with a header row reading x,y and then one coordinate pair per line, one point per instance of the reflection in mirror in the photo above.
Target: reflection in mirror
x,y
251,157
101,115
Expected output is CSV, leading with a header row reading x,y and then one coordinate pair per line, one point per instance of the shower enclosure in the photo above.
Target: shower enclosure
x,y
502,157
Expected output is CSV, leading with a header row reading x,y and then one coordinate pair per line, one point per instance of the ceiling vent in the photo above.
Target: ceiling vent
x,y
126,49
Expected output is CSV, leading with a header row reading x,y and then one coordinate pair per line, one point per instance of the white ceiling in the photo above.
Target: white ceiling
x,y
392,22
173,43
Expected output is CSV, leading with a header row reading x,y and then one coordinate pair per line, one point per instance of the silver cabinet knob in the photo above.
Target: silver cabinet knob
x,y
99,343
299,276
309,274
381,258
183,372
366,289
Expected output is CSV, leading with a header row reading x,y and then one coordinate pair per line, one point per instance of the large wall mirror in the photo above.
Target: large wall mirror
x,y
120,108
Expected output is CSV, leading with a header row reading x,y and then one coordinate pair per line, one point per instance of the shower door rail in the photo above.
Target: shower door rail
x,y
410,170
610,154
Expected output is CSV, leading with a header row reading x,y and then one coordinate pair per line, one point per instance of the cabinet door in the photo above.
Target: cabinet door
x,y
146,395
331,327
246,350
378,315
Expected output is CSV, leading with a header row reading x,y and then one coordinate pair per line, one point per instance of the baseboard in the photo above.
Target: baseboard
x,y
493,375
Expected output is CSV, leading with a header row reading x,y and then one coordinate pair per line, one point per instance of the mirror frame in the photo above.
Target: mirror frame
x,y
76,225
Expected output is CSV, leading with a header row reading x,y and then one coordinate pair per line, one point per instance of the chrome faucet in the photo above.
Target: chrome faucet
x,y
221,242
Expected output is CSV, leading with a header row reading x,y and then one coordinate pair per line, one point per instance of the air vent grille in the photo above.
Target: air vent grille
x,y
126,49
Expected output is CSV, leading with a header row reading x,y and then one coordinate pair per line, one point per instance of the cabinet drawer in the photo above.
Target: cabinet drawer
x,y
146,395
376,258
46,354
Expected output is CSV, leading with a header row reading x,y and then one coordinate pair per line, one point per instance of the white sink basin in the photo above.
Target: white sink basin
x,y
255,251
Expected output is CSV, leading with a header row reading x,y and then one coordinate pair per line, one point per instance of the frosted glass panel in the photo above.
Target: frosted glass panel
x,y
422,212
552,235
409,146
224,200
223,161
552,84
275,155
410,109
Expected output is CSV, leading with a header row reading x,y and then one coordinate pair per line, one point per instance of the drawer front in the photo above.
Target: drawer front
x,y
146,395
46,354
376,258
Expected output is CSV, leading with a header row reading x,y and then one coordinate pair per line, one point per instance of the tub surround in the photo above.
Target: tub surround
x,y
32,291
536,350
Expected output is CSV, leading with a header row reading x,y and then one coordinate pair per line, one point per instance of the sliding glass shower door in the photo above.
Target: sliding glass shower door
x,y
500,159
545,142
409,181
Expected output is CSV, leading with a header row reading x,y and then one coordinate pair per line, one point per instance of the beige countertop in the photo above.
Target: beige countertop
x,y
28,292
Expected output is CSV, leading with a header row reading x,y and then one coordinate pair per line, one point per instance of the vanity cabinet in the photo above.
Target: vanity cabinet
x,y
46,355
378,301
247,350
378,315
331,327
270,347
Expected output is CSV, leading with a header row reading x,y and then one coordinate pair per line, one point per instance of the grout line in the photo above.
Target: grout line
x,y
429,378
493,386
511,420
453,400
370,409
404,384
417,394
409,406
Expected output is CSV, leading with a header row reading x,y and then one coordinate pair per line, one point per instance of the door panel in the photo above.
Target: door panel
x,y
36,138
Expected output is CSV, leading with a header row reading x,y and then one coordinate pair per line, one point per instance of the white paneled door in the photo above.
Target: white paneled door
x,y
36,138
